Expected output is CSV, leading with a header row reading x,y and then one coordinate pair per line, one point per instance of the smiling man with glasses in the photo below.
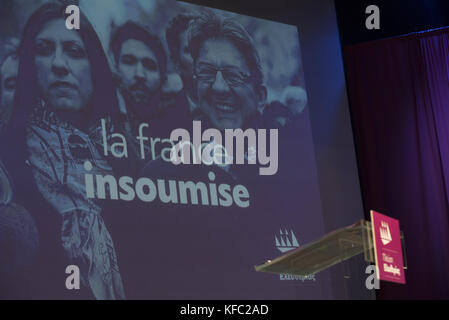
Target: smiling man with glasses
x,y
227,71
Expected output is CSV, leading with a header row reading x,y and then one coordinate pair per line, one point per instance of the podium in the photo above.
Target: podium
x,y
335,247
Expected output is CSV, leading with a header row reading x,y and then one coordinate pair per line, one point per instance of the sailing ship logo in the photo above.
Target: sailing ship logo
x,y
286,241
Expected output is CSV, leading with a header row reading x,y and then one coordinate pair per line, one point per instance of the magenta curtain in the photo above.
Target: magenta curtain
x,y
399,97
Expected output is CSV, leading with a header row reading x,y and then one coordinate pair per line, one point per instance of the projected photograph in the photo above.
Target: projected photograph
x,y
152,149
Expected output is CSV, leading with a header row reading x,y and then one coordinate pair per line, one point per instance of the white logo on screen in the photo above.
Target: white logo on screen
x,y
286,241
385,234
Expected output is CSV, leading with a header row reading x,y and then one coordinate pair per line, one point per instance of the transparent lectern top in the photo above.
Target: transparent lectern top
x,y
333,248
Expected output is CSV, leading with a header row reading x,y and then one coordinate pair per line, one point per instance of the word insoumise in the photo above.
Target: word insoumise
x,y
147,190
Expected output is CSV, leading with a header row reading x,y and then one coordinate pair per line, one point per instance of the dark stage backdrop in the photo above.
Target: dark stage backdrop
x,y
399,96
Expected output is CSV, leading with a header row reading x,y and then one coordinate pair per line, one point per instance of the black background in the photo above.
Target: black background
x,y
397,17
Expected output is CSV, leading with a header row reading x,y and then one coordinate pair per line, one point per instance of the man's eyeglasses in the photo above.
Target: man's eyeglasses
x,y
233,78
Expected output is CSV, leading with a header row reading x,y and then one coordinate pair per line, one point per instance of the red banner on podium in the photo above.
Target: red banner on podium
x,y
387,248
